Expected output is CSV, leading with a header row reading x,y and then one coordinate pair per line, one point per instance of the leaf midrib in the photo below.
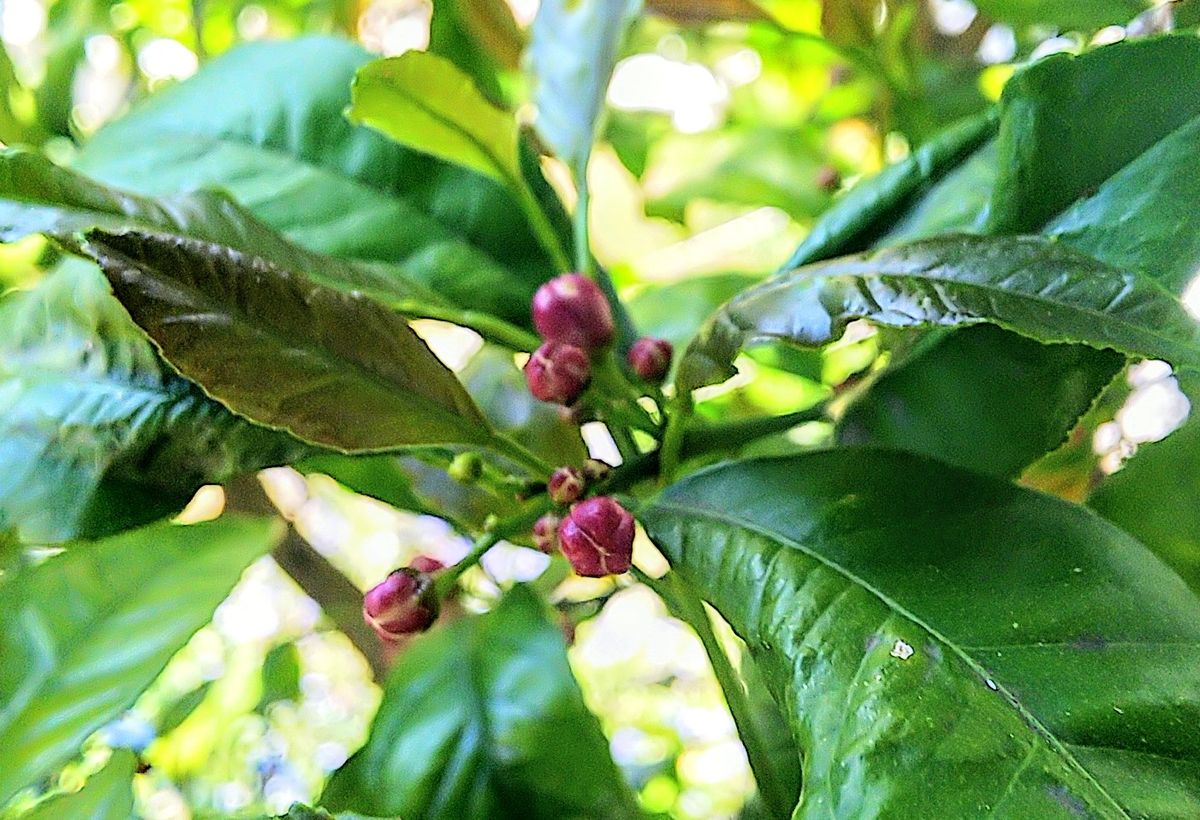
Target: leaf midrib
x,y
730,520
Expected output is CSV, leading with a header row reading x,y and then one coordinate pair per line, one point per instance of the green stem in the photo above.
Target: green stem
x,y
699,438
447,579
583,251
490,328
685,606
677,411
542,229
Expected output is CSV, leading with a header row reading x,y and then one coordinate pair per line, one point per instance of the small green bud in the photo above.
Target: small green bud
x,y
466,468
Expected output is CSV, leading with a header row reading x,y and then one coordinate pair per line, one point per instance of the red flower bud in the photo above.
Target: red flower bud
x,y
423,563
650,358
828,179
558,372
565,485
401,604
545,533
597,537
573,310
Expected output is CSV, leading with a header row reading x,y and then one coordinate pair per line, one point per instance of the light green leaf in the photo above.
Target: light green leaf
x,y
481,719
1027,284
296,163
83,633
945,644
1068,14
96,434
107,795
425,102
333,368
573,48
280,676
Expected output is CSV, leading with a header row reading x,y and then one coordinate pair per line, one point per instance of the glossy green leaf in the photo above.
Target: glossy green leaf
x,y
83,633
573,48
107,794
1053,145
1029,400
37,196
96,434
957,203
869,209
1068,14
427,103
482,719
1033,286
333,368
297,164
946,644
1144,217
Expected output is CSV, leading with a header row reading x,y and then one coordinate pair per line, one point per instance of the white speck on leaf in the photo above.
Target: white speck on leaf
x,y
902,651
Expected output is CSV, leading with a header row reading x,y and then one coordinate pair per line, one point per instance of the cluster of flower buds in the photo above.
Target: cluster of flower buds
x,y
403,603
573,318
596,534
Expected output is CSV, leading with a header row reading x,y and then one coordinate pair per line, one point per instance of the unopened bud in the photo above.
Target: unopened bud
x,y
565,485
466,468
828,179
597,537
558,372
573,310
650,358
545,533
401,604
425,563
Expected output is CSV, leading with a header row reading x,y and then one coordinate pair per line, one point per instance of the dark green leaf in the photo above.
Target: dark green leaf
x,y
297,164
1036,287
96,434
869,209
573,48
1085,16
946,642
333,368
1055,146
482,719
956,203
425,102
107,795
298,811
480,37
83,633
37,196
280,676
997,425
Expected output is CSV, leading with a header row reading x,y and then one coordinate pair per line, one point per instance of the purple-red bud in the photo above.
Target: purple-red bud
x,y
828,179
558,372
545,533
573,310
424,563
650,358
597,537
401,604
565,485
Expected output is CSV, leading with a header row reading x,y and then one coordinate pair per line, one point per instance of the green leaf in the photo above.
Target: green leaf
x,y
96,434
425,102
480,37
333,368
871,207
37,196
573,48
957,203
1143,217
107,794
83,633
948,641
482,718
936,403
674,311
280,676
1067,14
1054,147
1033,286
181,710
281,148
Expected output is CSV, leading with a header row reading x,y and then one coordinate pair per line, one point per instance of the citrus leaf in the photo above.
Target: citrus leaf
x,y
96,434
478,718
946,640
107,794
83,633
333,368
1027,284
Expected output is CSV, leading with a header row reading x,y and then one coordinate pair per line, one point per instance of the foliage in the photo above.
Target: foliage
x,y
899,285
